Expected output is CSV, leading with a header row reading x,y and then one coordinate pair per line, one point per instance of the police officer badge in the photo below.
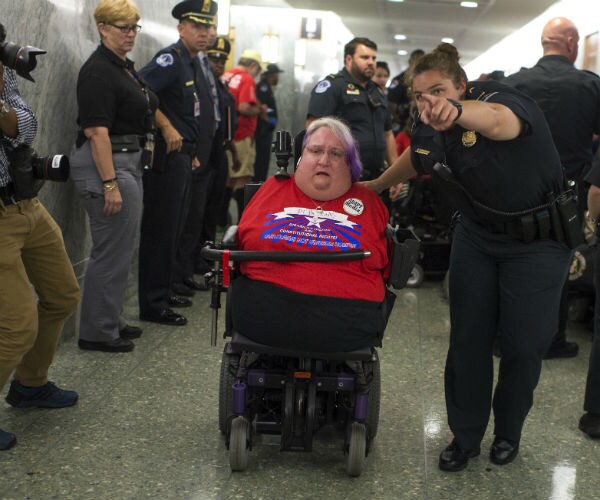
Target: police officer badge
x,y
351,89
469,138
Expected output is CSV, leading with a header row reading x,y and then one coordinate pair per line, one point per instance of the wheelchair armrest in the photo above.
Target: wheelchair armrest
x,y
404,255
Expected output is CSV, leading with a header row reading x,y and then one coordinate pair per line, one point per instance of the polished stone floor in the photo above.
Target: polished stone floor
x,y
146,427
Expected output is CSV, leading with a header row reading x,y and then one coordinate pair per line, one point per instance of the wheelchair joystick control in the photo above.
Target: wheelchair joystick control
x,y
282,147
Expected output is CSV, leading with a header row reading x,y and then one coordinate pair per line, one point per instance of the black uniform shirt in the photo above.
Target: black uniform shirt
x,y
228,124
593,176
171,75
570,100
364,109
264,93
108,95
508,176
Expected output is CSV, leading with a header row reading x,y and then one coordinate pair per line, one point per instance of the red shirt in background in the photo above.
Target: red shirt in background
x,y
281,217
243,87
402,142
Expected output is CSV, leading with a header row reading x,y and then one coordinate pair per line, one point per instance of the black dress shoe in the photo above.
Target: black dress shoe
x,y
181,289
194,285
165,317
562,350
455,458
179,301
130,332
503,451
590,424
117,345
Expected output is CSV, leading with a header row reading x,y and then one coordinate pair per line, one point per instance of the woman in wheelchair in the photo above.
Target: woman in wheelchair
x,y
315,306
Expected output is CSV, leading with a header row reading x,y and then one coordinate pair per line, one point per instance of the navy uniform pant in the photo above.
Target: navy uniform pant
x,y
507,289
192,229
166,203
592,387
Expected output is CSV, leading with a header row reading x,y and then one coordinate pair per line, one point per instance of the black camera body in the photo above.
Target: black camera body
x,y
27,169
21,59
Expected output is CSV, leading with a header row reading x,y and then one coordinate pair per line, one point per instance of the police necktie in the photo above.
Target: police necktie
x,y
213,89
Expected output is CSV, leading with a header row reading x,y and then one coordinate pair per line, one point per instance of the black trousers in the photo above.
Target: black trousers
x,y
192,229
263,143
507,289
592,386
166,203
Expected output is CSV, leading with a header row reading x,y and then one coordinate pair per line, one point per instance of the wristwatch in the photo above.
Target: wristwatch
x,y
457,105
4,108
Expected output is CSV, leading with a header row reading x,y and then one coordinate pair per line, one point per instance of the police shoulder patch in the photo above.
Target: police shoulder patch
x,y
165,60
322,86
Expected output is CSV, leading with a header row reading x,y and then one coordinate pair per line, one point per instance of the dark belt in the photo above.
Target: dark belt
x,y
7,194
527,228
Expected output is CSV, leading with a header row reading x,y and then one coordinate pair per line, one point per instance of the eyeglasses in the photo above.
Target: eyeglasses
x,y
127,28
335,154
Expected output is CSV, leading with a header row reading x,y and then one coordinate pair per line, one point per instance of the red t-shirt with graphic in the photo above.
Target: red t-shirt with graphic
x,y
281,217
243,87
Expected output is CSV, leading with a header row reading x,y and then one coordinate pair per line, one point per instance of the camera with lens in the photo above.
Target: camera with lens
x,y
50,168
21,59
27,170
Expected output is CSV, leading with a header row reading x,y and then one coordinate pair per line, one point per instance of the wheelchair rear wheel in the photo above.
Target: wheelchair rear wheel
x,y
357,449
239,444
416,278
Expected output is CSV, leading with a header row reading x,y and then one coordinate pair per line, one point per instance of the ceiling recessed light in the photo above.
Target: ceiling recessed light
x,y
402,52
448,40
469,5
396,1
399,37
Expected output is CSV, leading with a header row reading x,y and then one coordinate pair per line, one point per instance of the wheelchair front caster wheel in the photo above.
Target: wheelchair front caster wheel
x,y
357,449
417,275
239,444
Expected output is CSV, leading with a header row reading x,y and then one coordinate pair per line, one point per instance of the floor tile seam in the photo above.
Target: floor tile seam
x,y
422,396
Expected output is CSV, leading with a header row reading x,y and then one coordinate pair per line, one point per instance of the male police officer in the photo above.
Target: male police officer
x,y
202,178
263,136
172,75
352,96
32,252
570,100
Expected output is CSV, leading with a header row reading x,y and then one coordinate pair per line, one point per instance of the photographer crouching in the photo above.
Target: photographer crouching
x,y
32,252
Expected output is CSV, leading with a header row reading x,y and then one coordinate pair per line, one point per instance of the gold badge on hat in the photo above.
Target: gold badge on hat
x,y
469,138
205,6
221,44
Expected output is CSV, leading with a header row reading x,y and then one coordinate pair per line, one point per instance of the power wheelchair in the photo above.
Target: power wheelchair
x,y
273,390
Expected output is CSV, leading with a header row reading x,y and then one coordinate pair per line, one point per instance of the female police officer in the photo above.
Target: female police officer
x,y
489,149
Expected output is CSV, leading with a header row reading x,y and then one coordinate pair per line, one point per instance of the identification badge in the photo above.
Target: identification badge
x,y
469,138
196,109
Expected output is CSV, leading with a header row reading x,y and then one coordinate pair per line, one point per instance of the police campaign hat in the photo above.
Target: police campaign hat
x,y
198,11
272,68
220,49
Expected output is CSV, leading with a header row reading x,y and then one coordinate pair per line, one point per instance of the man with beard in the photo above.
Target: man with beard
x,y
352,96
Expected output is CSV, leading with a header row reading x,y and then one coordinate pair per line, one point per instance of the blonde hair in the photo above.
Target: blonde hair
x,y
109,11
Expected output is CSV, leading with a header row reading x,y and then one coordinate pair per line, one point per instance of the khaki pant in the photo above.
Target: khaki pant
x,y
32,252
